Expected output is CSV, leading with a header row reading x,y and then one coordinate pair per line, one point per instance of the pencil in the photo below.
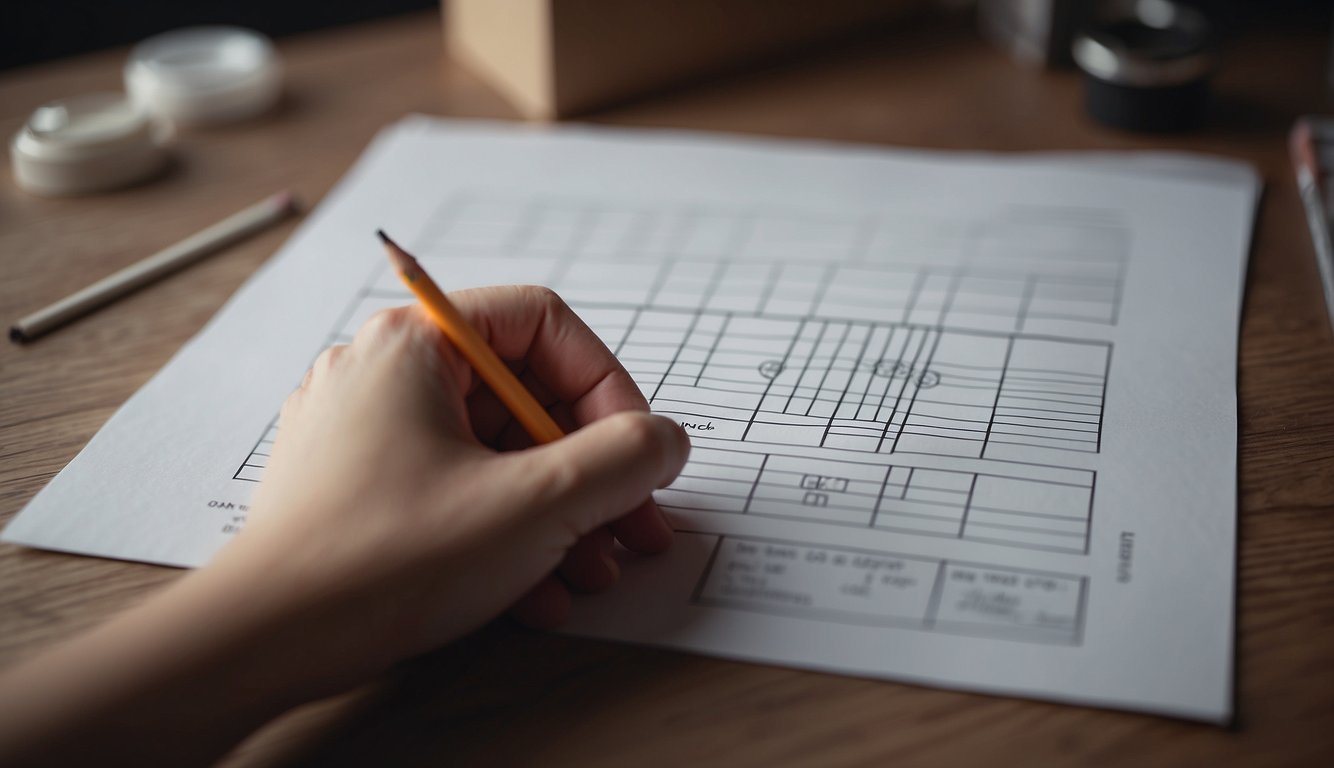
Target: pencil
x,y
474,349
155,267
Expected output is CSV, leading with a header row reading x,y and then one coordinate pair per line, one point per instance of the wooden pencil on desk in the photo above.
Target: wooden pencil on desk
x,y
474,349
157,266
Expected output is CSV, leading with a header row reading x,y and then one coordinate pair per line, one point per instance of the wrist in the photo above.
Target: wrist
x,y
264,638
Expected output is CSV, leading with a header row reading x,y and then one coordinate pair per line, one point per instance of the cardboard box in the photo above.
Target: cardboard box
x,y
554,58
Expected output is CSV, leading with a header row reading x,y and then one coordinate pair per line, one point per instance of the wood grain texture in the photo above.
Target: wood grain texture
x,y
506,696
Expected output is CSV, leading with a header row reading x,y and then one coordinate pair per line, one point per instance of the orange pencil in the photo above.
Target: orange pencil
x,y
483,359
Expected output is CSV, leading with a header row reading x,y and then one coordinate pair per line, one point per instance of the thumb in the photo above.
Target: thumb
x,y
607,468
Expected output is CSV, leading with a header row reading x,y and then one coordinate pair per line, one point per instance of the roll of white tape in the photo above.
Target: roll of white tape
x,y
204,75
84,144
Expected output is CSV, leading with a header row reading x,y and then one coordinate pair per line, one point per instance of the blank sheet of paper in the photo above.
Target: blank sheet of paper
x,y
960,420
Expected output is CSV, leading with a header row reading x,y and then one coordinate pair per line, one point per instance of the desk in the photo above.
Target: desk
x,y
507,696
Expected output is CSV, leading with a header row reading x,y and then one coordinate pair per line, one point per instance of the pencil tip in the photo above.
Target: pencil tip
x,y
16,335
289,202
402,260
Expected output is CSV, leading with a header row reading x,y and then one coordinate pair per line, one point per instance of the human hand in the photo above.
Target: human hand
x,y
388,523
393,516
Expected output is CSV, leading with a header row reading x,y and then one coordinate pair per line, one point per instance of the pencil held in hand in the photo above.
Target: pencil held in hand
x,y
479,355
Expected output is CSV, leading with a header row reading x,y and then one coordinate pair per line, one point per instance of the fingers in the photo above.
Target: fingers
x,y
588,565
534,324
497,427
603,471
644,529
589,479
403,365
324,363
559,359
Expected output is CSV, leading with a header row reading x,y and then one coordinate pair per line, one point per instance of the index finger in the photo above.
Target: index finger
x,y
571,363
533,324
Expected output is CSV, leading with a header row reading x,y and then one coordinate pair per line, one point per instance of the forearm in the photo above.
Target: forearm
x,y
176,681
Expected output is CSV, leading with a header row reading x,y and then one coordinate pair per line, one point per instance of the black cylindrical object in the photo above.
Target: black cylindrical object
x,y
1147,65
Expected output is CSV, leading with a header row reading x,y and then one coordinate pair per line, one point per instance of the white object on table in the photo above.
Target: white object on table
x,y
83,144
204,75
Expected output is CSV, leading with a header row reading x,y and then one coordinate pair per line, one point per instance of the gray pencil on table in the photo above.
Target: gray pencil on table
x,y
160,264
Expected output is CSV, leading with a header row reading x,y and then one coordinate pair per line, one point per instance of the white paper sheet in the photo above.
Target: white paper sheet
x,y
962,420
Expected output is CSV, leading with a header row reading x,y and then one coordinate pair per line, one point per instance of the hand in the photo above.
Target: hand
x,y
393,517
388,512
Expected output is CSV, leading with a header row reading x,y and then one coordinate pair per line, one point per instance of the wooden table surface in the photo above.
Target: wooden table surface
x,y
508,696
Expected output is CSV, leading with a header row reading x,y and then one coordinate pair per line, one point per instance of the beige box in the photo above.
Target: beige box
x,y
553,58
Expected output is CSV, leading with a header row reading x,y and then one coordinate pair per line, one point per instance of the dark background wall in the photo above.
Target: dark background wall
x,y
36,30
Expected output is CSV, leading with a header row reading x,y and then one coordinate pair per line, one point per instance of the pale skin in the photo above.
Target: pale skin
x,y
402,509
